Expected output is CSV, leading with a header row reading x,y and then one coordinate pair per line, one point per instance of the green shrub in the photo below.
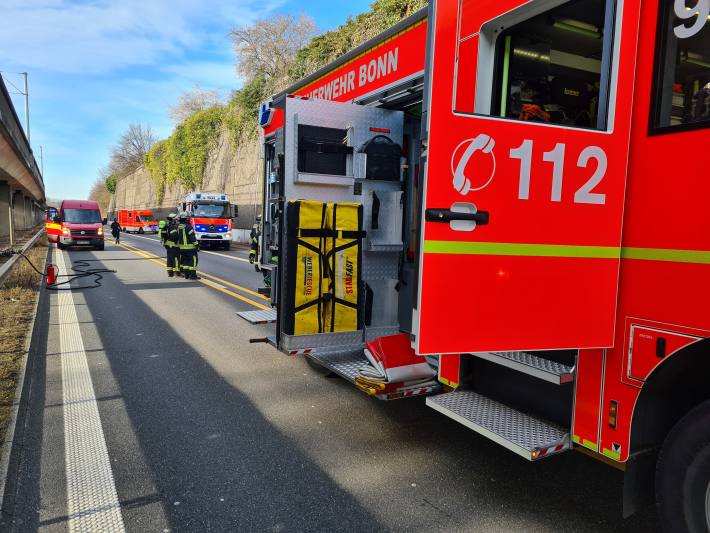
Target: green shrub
x,y
111,182
182,157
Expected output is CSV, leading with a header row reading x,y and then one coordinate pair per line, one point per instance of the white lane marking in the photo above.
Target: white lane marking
x,y
201,251
92,499
225,256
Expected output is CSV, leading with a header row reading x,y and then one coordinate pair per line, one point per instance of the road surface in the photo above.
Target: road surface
x,y
151,382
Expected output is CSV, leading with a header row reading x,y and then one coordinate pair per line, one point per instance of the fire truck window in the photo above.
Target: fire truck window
x,y
549,67
682,88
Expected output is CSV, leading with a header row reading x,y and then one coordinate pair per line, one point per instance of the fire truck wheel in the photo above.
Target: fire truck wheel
x,y
683,474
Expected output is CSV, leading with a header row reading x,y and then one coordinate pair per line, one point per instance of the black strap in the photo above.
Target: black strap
x,y
375,211
314,233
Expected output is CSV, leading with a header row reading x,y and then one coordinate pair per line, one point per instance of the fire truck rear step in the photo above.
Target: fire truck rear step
x,y
258,317
531,364
523,434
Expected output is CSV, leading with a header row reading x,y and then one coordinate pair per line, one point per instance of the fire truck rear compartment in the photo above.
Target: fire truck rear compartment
x,y
330,152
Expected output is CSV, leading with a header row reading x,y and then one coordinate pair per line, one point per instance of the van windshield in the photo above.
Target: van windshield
x,y
211,211
82,216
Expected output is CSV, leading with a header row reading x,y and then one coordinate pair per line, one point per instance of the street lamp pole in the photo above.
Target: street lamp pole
x,y
27,106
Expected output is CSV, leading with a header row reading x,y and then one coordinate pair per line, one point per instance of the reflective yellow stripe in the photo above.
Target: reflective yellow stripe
x,y
612,455
701,257
591,445
520,249
561,250
52,225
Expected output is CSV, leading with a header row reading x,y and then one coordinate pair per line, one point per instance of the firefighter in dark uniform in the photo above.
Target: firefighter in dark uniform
x,y
187,243
162,235
169,237
254,234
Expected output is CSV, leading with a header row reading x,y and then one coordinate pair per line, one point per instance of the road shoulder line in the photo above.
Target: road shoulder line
x,y
92,499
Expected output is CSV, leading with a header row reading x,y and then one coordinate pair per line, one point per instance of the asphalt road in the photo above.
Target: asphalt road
x,y
206,432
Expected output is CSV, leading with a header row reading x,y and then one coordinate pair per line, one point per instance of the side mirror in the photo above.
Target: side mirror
x,y
235,211
104,221
57,219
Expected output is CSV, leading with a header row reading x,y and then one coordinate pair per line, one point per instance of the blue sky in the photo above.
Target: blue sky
x,y
95,66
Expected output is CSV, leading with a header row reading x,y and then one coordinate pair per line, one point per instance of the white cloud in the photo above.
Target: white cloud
x,y
102,36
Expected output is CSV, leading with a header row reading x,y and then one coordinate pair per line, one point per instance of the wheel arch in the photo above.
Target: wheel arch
x,y
677,385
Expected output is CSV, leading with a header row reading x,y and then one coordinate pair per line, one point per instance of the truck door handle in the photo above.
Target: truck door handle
x,y
447,215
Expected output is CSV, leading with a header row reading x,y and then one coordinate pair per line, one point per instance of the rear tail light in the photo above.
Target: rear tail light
x,y
613,413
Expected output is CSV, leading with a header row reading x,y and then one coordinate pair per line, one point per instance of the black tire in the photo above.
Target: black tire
x,y
140,231
100,247
228,246
60,246
683,474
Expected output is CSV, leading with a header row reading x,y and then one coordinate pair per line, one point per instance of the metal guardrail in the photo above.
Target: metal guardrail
x,y
11,123
7,267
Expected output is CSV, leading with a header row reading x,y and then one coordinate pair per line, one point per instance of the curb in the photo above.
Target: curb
x,y
8,442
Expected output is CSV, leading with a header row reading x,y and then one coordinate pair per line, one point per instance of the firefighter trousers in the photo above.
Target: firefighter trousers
x,y
188,262
172,254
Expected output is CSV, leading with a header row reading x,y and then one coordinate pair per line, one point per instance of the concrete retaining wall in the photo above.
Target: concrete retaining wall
x,y
233,171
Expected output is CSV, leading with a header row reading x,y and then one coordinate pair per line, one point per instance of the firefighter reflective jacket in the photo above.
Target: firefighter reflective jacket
x,y
186,236
162,231
171,235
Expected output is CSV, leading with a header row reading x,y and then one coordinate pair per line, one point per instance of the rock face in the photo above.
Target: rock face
x,y
236,172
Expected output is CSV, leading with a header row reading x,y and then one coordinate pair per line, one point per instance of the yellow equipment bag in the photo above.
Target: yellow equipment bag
x,y
342,310
305,293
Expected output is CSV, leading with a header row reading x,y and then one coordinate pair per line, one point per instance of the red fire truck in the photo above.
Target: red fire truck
x,y
514,166
137,221
211,215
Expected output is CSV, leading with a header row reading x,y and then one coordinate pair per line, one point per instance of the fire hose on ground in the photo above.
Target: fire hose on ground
x,y
80,267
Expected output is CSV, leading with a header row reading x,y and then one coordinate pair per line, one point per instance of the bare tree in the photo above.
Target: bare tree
x,y
267,47
99,193
130,151
194,100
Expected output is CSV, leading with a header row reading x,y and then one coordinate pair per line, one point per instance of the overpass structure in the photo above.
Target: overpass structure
x,y
22,193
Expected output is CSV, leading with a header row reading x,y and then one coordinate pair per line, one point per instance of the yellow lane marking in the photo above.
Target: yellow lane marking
x,y
225,256
215,278
212,276
137,251
235,295
201,251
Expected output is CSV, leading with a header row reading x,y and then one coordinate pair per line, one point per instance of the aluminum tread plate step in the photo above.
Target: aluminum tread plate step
x,y
529,437
346,364
258,317
531,364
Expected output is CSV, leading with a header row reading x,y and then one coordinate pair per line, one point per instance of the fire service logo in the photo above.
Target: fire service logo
x,y
349,276
467,176
307,275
